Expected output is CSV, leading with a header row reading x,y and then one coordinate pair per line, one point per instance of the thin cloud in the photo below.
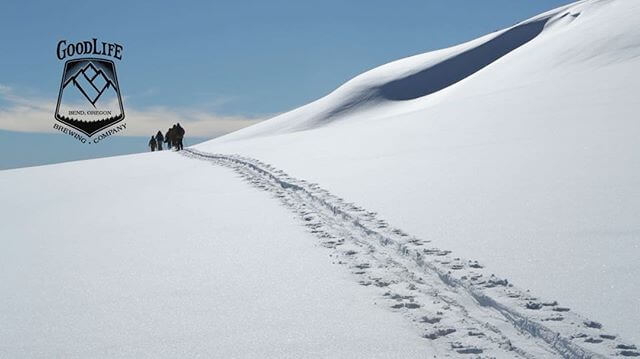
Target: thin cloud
x,y
36,115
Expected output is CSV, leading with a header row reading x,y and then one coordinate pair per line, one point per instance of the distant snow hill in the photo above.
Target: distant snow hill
x,y
476,201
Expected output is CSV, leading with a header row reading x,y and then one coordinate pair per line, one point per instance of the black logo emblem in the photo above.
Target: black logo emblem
x,y
89,98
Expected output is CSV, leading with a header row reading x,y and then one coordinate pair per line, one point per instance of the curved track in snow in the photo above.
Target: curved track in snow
x,y
456,304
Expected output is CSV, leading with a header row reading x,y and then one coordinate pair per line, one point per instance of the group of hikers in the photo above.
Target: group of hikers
x,y
173,139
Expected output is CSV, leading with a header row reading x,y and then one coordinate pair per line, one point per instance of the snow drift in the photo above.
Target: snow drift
x,y
518,149
449,184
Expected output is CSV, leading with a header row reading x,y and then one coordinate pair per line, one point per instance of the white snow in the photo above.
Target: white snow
x,y
160,256
518,149
531,164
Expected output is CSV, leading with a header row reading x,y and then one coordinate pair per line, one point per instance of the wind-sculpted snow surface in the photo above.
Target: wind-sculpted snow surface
x,y
459,67
529,164
445,73
415,77
457,303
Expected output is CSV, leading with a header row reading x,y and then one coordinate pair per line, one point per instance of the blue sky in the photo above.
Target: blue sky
x,y
224,64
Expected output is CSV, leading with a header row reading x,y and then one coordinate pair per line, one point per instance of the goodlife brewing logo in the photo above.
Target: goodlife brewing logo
x,y
89,100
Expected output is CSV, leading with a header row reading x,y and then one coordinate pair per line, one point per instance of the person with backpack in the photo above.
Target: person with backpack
x,y
168,139
152,143
179,136
174,137
159,140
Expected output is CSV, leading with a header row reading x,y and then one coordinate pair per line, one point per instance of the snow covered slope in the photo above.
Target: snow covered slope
x,y
475,201
519,149
160,256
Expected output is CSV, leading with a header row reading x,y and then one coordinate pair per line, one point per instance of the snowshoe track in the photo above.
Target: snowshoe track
x,y
457,305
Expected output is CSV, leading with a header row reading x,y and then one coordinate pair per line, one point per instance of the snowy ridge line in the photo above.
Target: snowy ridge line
x,y
460,307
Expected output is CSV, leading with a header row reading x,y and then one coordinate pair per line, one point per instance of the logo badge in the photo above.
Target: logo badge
x,y
89,98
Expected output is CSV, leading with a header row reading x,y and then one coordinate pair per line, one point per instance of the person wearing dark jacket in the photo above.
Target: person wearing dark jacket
x,y
159,140
174,137
168,140
179,136
152,143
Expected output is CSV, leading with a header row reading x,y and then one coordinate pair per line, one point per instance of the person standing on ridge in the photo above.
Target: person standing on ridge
x,y
174,138
179,136
159,140
168,139
152,143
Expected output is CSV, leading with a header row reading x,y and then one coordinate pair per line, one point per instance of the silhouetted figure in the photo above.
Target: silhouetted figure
x,y
174,137
179,136
152,143
159,140
168,140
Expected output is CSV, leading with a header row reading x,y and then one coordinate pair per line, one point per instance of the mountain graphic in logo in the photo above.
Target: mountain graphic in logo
x,y
89,98
91,82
